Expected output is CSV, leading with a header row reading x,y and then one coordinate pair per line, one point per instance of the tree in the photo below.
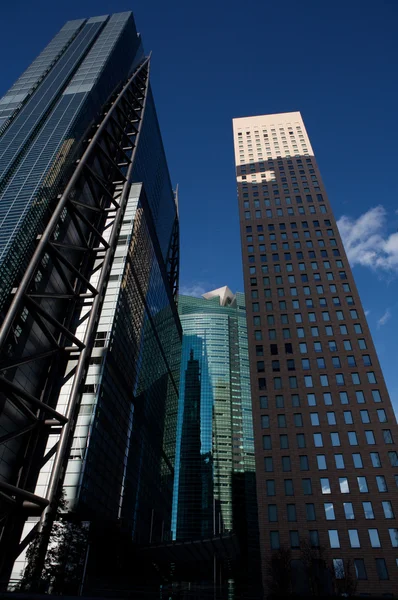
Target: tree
x,y
64,562
344,579
279,573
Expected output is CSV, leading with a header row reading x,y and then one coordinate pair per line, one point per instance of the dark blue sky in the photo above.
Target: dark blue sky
x,y
213,60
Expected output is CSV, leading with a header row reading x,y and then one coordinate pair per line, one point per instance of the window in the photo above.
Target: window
x,y
355,378
370,438
334,538
327,398
375,458
374,538
354,538
283,442
393,458
362,484
339,460
387,436
338,568
388,511
300,440
270,487
339,378
381,415
272,513
371,377
381,568
304,466
307,487
381,483
294,539
291,512
360,397
314,419
348,420
343,397
357,460
311,399
310,512
335,438
286,465
265,419
329,511
325,485
314,538
268,464
289,491
281,420
348,511
376,396
298,419
318,441
368,510
360,569
274,540
267,442
324,380
277,383
352,438
393,535
331,418
308,381
344,487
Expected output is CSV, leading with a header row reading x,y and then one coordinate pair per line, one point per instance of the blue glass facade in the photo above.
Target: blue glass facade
x,y
121,462
38,145
215,457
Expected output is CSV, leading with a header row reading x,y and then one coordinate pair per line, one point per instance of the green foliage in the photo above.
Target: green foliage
x,y
64,562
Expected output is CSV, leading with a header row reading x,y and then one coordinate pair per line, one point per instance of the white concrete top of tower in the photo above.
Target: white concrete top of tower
x,y
224,293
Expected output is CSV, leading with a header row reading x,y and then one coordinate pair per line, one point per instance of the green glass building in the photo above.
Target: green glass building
x,y
215,394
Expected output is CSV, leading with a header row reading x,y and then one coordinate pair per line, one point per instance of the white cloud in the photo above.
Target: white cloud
x,y
196,289
367,312
367,242
384,318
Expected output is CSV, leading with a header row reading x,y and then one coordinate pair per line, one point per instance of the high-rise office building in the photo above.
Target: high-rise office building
x,y
214,488
324,427
90,336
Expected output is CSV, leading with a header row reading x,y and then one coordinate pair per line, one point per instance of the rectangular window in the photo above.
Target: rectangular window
x,y
348,511
354,538
374,538
270,486
272,513
325,485
307,487
381,568
334,538
291,512
329,511
393,537
274,540
368,510
360,569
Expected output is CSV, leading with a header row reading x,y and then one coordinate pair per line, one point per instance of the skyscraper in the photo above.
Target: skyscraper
x,y
90,336
324,427
214,488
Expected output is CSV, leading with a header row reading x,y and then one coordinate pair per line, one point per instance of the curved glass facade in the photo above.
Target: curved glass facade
x,y
214,487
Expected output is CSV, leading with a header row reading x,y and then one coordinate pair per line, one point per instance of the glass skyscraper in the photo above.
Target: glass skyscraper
x,y
325,431
90,336
214,486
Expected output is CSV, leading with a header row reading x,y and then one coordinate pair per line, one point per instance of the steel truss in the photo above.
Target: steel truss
x,y
46,307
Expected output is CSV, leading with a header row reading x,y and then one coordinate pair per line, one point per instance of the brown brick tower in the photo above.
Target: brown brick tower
x,y
324,427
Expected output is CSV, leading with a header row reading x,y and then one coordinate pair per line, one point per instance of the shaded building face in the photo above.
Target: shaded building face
x,y
116,240
190,507
324,428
